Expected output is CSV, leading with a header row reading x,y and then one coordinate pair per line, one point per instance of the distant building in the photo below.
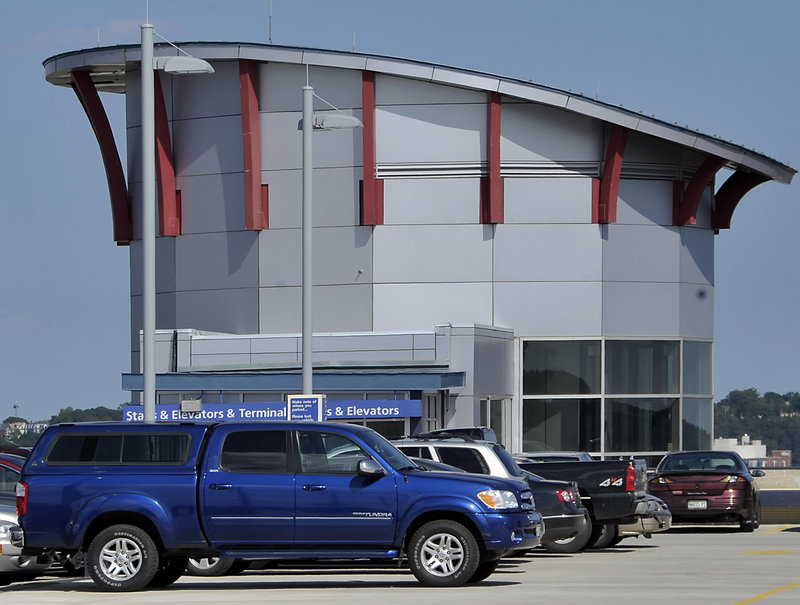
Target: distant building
x,y
754,453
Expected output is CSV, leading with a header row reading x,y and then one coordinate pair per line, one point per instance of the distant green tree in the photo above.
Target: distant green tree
x,y
772,418
97,414
14,419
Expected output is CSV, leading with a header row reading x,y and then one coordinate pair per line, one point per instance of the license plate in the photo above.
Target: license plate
x,y
697,504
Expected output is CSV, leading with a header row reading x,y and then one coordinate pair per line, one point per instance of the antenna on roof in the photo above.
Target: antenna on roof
x,y
270,21
354,41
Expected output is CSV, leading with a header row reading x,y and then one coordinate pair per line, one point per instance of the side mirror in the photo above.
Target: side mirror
x,y
370,468
758,473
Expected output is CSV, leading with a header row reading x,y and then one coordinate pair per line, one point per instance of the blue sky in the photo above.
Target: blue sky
x,y
726,68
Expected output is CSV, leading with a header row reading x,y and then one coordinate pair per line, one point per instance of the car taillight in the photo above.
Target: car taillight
x,y
630,479
660,483
22,498
734,481
566,495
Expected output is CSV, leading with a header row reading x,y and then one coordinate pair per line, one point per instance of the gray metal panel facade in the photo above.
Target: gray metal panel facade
x,y
546,271
548,200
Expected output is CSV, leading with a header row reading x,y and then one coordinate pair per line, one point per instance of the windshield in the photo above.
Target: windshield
x,y
394,457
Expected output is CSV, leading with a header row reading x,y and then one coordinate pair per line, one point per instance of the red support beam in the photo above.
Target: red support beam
x,y
117,188
687,213
256,195
492,210
372,189
605,211
730,194
169,220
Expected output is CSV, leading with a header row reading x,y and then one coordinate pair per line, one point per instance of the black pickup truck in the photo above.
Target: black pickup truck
x,y
613,491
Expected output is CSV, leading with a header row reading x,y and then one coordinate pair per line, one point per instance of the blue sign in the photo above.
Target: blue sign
x,y
210,412
375,408
279,410
306,407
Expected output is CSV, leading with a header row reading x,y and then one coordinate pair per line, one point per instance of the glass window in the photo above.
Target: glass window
x,y
570,367
329,453
491,415
464,458
255,452
8,481
697,367
261,397
642,367
154,448
640,425
561,424
389,428
697,423
416,451
139,448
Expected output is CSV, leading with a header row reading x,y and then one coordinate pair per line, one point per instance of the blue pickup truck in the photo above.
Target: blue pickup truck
x,y
139,499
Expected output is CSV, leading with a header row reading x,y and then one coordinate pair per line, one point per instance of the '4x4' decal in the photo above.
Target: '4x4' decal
x,y
612,481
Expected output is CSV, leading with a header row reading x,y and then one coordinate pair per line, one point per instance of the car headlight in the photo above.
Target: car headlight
x,y
499,499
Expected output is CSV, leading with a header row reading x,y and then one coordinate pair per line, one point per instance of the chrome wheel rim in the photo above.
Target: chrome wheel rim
x,y
206,563
121,559
442,555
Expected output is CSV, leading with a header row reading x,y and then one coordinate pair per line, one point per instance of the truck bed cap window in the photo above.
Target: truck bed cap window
x,y
140,448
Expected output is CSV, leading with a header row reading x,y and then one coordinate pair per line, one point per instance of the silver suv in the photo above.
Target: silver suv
x,y
481,457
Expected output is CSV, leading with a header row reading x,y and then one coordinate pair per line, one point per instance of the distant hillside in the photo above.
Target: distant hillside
x,y
771,417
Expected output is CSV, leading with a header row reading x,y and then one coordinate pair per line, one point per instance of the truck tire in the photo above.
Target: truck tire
x,y
122,558
484,570
571,545
169,570
443,553
603,534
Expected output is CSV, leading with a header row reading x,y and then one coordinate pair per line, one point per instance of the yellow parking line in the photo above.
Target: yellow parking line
x,y
770,552
772,531
767,594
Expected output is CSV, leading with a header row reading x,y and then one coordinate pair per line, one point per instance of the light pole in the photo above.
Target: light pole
x,y
175,65
308,124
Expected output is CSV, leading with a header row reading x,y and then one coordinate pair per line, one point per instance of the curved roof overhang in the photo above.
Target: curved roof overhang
x,y
107,67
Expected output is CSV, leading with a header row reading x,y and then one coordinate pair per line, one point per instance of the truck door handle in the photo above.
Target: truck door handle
x,y
220,486
313,488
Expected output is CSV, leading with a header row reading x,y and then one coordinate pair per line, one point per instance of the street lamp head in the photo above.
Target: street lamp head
x,y
183,65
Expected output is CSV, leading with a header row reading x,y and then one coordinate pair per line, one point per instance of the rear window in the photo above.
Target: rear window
x,y
136,448
511,465
708,461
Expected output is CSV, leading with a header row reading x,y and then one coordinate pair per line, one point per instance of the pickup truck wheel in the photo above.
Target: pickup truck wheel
x,y
443,553
603,535
169,570
571,545
209,567
484,570
122,558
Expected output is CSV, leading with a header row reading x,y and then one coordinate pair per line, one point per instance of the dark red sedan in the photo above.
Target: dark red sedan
x,y
708,486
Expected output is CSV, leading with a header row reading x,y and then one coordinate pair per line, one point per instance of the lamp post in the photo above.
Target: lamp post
x,y
175,65
308,124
